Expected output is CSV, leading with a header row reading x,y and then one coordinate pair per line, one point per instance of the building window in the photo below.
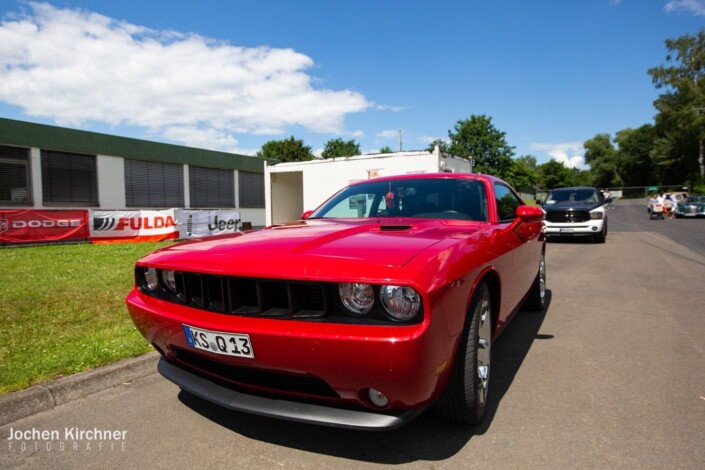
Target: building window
x,y
211,188
14,175
69,179
154,184
251,189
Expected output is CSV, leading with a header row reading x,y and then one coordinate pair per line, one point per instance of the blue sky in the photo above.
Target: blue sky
x,y
231,75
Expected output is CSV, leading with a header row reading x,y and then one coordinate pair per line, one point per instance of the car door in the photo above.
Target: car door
x,y
520,241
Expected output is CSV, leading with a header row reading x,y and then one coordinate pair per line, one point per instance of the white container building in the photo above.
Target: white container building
x,y
292,188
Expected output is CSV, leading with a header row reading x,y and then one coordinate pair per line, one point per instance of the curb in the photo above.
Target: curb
x,y
25,403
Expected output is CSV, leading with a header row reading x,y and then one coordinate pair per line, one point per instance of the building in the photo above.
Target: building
x,y
48,167
292,188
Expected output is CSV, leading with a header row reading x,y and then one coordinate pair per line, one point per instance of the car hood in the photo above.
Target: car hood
x,y
692,204
571,206
313,249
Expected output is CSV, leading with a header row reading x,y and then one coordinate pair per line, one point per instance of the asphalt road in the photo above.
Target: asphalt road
x,y
611,375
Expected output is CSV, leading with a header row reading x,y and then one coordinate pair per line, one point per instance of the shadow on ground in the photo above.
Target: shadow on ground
x,y
426,438
572,240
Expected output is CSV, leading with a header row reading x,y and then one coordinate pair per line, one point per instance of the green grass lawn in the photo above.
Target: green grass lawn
x,y
62,310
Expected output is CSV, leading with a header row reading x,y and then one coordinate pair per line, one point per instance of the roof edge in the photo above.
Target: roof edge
x,y
29,134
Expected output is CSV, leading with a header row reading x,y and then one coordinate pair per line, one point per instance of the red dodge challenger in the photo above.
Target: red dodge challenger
x,y
376,306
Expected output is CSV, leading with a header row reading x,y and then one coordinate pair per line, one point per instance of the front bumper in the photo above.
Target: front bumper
x,y
689,212
282,409
409,364
591,227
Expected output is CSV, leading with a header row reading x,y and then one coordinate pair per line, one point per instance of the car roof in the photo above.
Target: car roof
x,y
471,176
575,188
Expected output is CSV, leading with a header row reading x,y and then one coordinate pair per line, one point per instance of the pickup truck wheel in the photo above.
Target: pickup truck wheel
x,y
466,398
602,236
536,300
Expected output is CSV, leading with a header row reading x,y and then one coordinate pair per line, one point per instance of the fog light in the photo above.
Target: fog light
x,y
594,229
377,398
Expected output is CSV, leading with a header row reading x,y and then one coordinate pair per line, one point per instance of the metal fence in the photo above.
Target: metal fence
x,y
633,192
636,192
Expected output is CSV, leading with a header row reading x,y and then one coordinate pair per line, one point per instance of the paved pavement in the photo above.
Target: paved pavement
x,y
43,397
633,217
610,375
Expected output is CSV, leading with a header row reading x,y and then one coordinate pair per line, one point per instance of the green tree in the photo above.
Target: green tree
x,y
340,148
681,108
521,177
634,163
529,161
442,144
601,155
554,174
479,139
580,177
386,149
287,150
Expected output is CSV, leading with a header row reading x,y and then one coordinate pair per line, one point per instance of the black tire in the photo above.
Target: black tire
x,y
602,236
536,300
465,399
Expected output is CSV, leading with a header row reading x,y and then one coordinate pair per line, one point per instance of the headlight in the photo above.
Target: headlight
x,y
597,215
402,303
357,298
151,281
169,279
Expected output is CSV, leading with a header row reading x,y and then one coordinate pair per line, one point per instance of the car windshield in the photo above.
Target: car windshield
x,y
697,199
427,198
572,195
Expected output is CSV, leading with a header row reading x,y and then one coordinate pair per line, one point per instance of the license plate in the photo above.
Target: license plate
x,y
566,230
228,344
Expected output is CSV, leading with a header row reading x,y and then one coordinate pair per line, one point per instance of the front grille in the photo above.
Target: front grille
x,y
568,216
245,376
262,298
689,210
253,297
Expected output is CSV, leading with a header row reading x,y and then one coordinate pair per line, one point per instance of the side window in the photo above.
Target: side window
x,y
15,176
353,207
69,179
251,189
507,203
211,187
153,184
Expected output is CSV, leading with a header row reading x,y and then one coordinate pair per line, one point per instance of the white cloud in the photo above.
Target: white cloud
x,y
696,7
78,67
208,138
389,134
386,107
570,154
427,139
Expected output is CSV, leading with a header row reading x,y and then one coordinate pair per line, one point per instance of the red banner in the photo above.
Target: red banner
x,y
25,226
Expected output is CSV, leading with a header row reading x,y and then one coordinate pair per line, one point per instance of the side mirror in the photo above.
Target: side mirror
x,y
306,215
530,214
539,202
